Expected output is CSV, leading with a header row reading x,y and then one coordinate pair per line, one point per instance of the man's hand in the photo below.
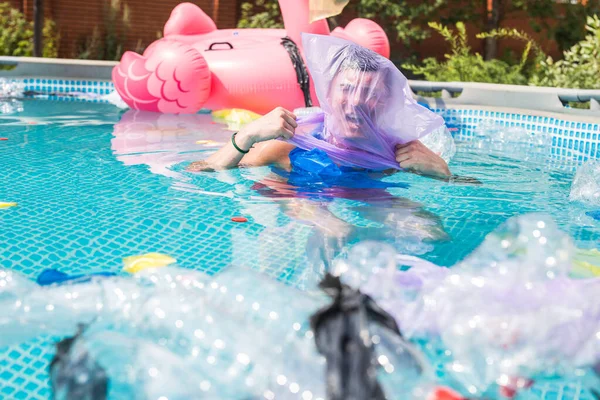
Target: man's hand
x,y
279,123
416,157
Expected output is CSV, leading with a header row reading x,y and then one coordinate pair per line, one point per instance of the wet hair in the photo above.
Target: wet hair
x,y
358,58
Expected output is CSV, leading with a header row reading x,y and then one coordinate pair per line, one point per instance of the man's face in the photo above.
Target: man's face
x,y
352,90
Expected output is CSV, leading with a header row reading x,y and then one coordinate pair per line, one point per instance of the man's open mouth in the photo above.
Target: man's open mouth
x,y
353,119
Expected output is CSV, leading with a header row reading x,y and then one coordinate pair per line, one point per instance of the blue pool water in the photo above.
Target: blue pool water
x,y
95,184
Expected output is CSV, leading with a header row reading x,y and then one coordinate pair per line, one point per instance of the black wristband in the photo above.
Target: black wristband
x,y
236,146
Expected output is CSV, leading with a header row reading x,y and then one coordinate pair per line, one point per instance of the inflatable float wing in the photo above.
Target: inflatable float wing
x,y
199,66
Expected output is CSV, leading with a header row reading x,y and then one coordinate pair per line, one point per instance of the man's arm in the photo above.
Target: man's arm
x,y
255,139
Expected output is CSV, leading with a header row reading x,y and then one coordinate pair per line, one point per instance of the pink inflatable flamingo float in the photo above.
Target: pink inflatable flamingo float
x,y
199,66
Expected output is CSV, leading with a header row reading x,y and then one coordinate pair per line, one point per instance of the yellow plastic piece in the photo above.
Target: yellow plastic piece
x,y
586,263
235,118
134,264
209,143
321,9
7,204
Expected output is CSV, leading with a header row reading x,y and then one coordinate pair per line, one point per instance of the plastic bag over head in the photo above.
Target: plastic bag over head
x,y
367,103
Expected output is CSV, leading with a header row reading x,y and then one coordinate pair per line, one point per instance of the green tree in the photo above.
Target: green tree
x,y
16,34
461,64
108,43
580,66
402,21
563,23
260,14
570,27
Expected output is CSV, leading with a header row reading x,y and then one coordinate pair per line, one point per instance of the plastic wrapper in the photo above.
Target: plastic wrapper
x,y
367,103
53,276
507,313
352,368
586,184
115,99
75,374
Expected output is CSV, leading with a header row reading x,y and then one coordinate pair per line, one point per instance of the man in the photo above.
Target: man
x,y
356,92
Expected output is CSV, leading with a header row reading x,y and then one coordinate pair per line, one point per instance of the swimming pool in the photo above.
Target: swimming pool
x,y
95,184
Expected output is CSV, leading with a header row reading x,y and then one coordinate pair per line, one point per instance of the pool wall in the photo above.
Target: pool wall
x,y
573,136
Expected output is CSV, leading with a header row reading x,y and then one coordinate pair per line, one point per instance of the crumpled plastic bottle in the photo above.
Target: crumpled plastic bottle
x,y
441,142
586,183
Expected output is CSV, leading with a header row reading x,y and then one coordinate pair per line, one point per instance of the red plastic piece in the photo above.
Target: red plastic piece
x,y
239,219
444,393
3,138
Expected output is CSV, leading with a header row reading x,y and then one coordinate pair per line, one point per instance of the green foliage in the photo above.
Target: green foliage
x,y
545,16
260,14
527,65
570,28
580,66
116,24
89,48
464,66
108,44
402,20
51,39
16,34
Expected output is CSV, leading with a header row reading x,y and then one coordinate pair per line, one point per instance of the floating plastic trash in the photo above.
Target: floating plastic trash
x,y
594,214
514,142
209,143
134,264
74,374
11,88
164,331
7,204
586,183
115,99
351,368
508,313
235,118
52,276
586,263
441,142
11,106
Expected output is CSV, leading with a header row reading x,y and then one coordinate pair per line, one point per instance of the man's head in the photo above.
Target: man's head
x,y
357,90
